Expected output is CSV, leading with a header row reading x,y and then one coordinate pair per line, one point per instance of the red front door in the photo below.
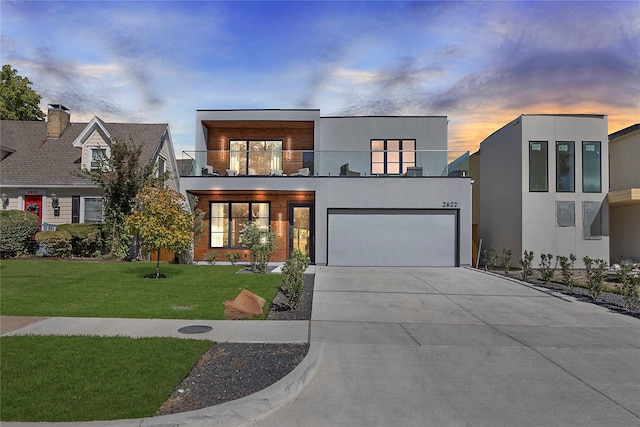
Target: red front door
x,y
33,204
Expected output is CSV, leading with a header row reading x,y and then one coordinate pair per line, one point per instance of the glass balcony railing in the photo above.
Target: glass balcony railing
x,y
300,163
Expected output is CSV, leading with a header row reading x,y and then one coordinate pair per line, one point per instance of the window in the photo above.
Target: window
x,y
591,167
565,166
228,219
162,166
93,209
255,157
392,156
98,155
591,221
538,166
565,214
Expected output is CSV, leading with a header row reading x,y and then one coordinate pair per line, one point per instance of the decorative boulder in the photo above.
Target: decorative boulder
x,y
245,306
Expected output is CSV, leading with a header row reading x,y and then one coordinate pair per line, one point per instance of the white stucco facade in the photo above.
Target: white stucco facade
x,y
514,215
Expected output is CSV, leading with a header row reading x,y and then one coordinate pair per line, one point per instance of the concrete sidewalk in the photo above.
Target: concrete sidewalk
x,y
248,331
439,347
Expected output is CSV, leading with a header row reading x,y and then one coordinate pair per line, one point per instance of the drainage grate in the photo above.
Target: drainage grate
x,y
195,329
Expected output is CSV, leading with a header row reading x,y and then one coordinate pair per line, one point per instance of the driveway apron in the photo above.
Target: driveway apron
x,y
459,347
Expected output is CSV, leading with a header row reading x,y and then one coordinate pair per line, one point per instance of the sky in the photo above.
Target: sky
x,y
481,63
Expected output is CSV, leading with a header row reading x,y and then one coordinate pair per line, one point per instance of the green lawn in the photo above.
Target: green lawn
x,y
41,287
49,378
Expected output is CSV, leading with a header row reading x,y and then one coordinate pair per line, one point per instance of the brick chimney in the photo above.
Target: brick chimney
x,y
58,120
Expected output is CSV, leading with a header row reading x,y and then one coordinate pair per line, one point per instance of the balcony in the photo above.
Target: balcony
x,y
304,163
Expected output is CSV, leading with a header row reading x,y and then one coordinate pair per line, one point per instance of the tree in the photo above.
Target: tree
x,y
121,176
17,100
161,221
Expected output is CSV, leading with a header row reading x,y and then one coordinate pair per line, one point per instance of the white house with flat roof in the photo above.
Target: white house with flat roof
x,y
349,191
544,187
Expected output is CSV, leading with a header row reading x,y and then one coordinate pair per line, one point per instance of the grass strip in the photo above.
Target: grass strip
x,y
43,287
56,378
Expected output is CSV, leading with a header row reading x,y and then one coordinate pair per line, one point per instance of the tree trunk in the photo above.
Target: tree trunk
x,y
158,265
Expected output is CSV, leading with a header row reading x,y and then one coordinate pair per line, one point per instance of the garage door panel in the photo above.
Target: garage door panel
x,y
389,238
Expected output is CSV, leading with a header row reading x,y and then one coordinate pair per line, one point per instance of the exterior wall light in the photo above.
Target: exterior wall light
x,y
5,200
55,204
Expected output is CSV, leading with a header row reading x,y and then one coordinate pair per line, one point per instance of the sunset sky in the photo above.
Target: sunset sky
x,y
480,63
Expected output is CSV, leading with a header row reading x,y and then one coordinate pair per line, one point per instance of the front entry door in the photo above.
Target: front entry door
x,y
301,235
33,204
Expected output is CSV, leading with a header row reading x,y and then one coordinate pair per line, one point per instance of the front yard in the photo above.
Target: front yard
x,y
43,287
59,378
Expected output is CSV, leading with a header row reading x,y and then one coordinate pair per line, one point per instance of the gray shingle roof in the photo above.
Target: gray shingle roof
x,y
39,160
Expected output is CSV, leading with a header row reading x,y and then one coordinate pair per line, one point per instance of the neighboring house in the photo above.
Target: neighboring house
x,y
350,191
624,194
543,182
38,159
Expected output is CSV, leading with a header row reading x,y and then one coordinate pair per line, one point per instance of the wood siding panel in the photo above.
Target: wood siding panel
x,y
279,208
294,136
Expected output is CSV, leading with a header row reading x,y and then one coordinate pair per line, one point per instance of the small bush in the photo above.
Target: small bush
x,y
211,257
490,259
262,243
293,276
505,260
630,286
527,262
16,230
595,275
566,266
56,243
546,271
86,239
233,257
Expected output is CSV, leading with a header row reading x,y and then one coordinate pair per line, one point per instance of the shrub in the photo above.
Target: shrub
x,y
527,262
505,260
261,242
86,239
16,230
595,275
490,259
630,286
566,266
211,257
56,243
233,257
293,276
546,271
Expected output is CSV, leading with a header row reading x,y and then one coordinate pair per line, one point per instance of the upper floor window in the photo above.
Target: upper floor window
x,y
162,166
228,219
565,166
538,166
392,156
255,157
98,156
591,167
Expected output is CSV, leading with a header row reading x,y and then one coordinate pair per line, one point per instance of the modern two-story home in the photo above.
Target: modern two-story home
x,y
349,191
543,183
38,159
624,194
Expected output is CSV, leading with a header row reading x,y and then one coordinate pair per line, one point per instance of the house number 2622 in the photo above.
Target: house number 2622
x,y
449,204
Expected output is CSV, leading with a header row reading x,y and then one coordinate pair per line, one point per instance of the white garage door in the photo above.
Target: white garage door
x,y
392,237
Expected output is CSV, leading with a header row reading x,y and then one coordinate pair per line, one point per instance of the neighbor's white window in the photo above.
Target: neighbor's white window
x,y
98,155
93,209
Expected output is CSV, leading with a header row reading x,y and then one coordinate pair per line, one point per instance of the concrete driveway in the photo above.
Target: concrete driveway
x,y
458,347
